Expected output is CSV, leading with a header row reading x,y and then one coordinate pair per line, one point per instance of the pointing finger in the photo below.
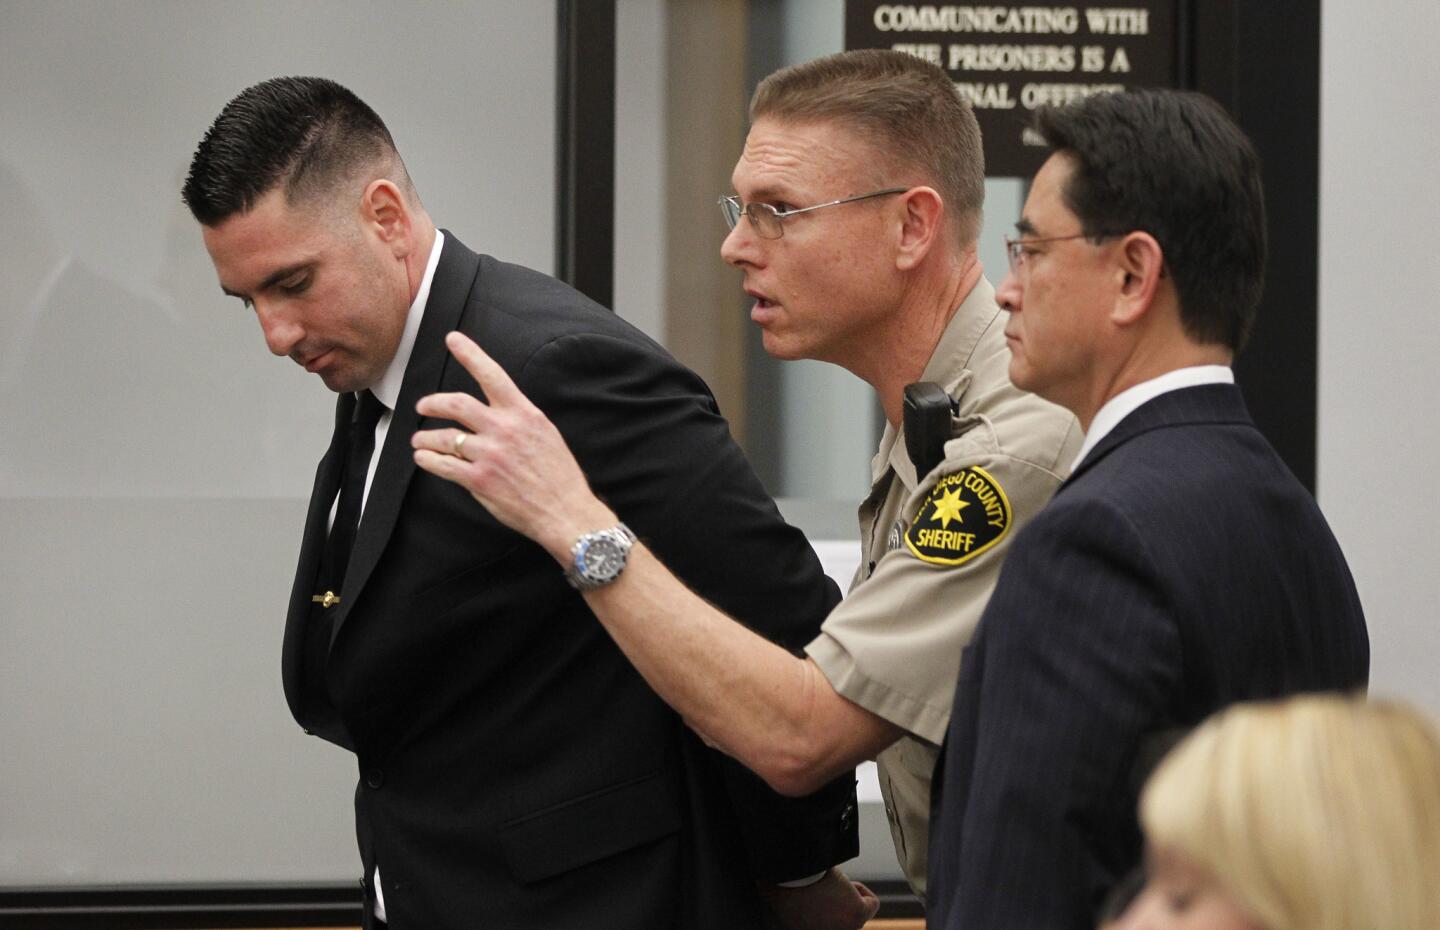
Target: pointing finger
x,y
491,377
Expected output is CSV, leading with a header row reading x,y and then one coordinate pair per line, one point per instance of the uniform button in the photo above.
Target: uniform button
x,y
375,778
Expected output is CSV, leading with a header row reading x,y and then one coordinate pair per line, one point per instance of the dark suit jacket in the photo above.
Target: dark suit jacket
x,y
515,771
1181,568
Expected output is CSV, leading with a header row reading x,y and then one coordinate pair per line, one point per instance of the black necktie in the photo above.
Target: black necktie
x,y
360,445
356,436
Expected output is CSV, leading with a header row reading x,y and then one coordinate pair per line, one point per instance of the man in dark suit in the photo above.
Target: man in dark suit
x,y
515,771
1180,568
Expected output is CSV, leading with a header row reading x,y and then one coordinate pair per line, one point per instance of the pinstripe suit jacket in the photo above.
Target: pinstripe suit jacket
x,y
1181,568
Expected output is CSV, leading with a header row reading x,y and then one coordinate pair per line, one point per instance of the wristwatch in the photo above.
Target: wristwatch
x,y
598,558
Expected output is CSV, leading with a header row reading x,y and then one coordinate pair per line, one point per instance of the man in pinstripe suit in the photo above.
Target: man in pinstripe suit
x,y
1180,568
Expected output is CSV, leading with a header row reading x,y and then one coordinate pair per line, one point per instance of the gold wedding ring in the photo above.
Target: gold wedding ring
x,y
457,448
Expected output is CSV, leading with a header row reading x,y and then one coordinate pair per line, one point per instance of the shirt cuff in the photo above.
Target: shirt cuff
x,y
804,882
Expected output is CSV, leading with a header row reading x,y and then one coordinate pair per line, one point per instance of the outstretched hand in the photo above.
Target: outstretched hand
x,y
509,456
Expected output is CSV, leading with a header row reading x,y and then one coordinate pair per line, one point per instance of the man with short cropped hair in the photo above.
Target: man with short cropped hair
x,y
857,202
515,771
1181,567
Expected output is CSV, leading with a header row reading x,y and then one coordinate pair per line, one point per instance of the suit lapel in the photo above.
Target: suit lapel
x,y
1208,403
454,277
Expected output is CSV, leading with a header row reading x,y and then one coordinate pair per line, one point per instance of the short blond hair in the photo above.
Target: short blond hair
x,y
1315,813
906,109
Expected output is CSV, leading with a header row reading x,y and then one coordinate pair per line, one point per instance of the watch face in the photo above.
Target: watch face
x,y
602,559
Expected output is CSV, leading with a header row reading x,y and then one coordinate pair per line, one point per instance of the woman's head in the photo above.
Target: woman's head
x,y
1314,813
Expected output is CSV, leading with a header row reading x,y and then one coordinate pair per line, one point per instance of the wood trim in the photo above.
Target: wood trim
x,y
705,323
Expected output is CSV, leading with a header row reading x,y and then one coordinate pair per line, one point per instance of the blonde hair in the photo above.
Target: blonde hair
x,y
906,109
1315,813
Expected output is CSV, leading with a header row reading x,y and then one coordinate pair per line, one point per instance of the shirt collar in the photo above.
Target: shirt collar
x,y
1129,400
956,347
946,367
387,389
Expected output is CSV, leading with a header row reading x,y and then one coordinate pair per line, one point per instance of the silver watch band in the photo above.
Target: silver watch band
x,y
598,558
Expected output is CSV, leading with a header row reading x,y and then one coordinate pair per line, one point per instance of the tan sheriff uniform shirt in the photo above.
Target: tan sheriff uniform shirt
x,y
932,553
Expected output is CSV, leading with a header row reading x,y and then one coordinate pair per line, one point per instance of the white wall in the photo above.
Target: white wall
x,y
1379,403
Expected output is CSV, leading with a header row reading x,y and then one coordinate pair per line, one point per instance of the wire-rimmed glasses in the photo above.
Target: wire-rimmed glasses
x,y
765,218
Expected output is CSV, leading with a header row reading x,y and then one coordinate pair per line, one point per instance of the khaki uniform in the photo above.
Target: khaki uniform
x,y
932,552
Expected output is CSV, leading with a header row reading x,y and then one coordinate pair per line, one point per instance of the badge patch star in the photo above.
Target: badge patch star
x,y
948,508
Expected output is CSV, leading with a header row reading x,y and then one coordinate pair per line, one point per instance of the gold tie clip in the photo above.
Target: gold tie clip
x,y
328,599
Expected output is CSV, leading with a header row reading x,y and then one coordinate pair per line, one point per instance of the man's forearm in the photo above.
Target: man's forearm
x,y
749,697
774,712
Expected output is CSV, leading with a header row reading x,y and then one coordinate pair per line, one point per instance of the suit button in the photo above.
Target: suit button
x,y
375,778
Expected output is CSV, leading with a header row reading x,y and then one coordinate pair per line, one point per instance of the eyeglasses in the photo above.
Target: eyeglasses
x,y
1018,249
765,219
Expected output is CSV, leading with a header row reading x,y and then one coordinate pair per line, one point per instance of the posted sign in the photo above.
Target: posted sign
x,y
1007,60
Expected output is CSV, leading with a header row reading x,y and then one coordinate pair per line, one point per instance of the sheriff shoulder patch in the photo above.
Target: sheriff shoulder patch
x,y
962,516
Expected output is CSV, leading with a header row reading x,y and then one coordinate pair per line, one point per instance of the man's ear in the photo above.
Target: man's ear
x,y
384,210
924,214
1140,266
